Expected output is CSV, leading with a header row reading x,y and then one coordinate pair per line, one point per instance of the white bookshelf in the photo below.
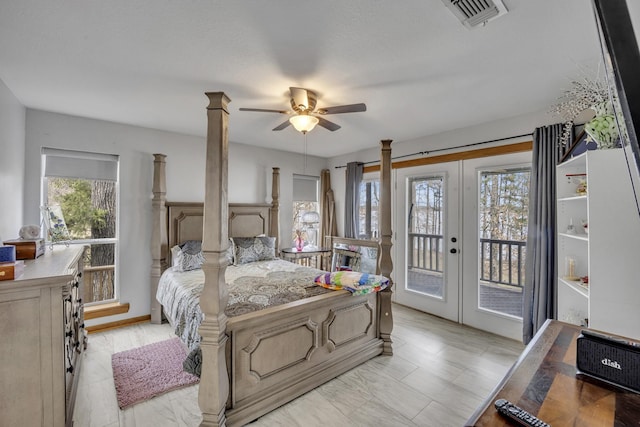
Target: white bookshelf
x,y
610,301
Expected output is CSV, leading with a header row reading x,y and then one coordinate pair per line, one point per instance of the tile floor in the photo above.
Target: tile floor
x,y
439,373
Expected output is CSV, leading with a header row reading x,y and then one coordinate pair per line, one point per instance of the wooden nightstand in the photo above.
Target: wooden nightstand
x,y
310,257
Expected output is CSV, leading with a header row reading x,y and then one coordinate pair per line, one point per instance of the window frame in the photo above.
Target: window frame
x,y
370,232
44,199
298,213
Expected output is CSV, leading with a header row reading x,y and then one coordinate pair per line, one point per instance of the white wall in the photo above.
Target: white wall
x,y
509,127
249,182
250,170
12,130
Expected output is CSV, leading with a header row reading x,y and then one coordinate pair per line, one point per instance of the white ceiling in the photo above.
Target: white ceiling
x,y
418,69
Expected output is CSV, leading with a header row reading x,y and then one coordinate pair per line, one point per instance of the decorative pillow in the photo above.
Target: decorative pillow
x,y
251,249
352,281
230,252
175,253
189,256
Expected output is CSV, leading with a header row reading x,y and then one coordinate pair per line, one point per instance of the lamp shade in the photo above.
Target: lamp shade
x,y
311,217
303,122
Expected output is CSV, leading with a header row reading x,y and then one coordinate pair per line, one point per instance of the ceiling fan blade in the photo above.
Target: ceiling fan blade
x,y
328,125
282,125
351,108
262,110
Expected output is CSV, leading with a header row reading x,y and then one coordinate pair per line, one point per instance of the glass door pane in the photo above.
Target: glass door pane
x,y
425,258
503,208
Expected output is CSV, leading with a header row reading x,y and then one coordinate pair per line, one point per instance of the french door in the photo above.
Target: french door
x,y
495,200
427,224
461,240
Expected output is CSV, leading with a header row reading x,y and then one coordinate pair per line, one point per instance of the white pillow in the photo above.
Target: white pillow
x,y
188,256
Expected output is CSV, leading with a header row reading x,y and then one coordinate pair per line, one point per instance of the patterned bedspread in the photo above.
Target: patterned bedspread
x,y
252,287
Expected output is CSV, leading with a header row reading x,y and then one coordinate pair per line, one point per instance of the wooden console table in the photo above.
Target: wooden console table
x,y
544,382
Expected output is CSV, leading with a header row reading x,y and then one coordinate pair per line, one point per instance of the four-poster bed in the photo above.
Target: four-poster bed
x,y
254,362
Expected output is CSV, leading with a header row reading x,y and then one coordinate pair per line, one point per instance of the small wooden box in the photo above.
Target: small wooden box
x,y
11,270
27,248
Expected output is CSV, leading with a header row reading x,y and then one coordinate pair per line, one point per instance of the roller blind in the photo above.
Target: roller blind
x,y
79,164
305,188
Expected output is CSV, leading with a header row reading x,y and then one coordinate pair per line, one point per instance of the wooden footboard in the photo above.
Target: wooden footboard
x,y
280,353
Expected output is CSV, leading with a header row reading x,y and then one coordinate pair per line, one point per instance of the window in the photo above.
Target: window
x,y
306,219
80,190
368,210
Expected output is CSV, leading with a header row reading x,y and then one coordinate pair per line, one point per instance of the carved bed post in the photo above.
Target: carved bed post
x,y
214,382
159,233
386,265
274,227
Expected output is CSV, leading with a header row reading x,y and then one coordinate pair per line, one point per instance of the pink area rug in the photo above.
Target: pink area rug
x,y
148,371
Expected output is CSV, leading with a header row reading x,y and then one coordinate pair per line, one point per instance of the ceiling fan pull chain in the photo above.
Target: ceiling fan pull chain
x,y
305,154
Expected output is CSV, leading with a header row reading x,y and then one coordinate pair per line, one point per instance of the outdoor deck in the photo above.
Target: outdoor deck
x,y
501,298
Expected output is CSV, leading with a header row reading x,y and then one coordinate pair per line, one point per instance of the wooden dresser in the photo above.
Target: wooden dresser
x,y
43,337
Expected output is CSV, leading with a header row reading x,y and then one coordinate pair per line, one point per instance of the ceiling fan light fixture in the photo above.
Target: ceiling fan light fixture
x,y
304,122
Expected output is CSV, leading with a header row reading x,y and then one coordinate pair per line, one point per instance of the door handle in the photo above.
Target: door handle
x,y
409,216
453,250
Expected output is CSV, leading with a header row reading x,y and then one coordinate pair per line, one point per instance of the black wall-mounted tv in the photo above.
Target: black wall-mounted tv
x,y
622,63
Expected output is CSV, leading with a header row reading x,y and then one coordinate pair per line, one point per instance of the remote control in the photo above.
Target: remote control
x,y
518,415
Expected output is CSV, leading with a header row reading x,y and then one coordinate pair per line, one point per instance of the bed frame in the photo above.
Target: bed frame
x,y
255,362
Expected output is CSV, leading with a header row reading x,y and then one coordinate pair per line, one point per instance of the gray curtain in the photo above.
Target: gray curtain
x,y
328,226
352,199
539,302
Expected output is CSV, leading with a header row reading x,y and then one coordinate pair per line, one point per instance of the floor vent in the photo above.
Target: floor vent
x,y
476,12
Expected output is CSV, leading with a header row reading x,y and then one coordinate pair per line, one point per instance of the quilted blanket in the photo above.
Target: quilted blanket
x,y
252,287
355,282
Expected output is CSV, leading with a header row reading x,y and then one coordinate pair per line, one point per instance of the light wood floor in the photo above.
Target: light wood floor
x,y
439,373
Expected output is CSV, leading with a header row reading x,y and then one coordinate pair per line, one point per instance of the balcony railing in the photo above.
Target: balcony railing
x,y
502,261
99,283
425,252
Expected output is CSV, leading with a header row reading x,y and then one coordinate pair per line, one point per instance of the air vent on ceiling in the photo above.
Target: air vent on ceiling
x,y
475,12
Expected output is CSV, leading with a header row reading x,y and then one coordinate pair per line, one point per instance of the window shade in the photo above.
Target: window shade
x,y
80,164
305,188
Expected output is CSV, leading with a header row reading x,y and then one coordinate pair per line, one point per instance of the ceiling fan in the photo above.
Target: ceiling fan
x,y
305,116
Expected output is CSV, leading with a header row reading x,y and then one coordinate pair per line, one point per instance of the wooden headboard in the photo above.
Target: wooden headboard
x,y
177,222
184,221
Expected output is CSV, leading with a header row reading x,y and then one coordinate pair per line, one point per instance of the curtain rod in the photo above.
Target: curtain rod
x,y
422,153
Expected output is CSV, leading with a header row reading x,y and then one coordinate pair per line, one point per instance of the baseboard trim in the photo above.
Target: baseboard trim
x,y
118,324
104,310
